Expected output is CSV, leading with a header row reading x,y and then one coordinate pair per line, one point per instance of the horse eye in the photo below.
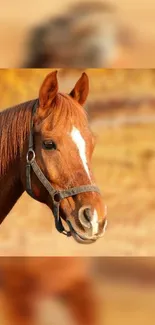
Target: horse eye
x,y
49,145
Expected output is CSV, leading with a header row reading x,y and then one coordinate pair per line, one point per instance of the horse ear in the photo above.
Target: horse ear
x,y
81,89
48,89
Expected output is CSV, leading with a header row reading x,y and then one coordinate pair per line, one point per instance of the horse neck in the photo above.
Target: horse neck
x,y
14,130
10,190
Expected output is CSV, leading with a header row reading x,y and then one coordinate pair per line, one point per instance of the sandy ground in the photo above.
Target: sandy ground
x,y
16,19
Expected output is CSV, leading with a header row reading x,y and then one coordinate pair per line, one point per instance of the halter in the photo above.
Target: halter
x,y
56,195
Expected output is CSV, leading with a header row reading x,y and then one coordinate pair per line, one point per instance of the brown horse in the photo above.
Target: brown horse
x,y
46,147
27,281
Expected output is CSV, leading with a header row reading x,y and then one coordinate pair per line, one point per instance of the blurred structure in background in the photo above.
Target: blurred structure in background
x,y
47,291
76,33
89,34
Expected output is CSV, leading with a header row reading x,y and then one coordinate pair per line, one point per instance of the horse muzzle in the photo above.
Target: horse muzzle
x,y
88,238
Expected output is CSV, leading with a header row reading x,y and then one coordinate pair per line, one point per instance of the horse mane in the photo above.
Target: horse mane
x,y
14,127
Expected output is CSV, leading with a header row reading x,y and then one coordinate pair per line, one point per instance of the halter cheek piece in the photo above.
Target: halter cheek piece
x,y
56,195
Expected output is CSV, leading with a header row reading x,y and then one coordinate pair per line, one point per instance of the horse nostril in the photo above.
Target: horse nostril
x,y
87,214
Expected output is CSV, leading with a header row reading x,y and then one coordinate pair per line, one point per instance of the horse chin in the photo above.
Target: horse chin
x,y
82,240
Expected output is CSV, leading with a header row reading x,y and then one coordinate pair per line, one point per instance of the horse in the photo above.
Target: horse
x,y
46,148
26,281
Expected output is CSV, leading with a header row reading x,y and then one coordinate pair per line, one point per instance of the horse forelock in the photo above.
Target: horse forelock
x,y
63,113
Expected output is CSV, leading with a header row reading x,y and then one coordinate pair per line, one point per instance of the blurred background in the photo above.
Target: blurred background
x,y
121,110
90,33
125,287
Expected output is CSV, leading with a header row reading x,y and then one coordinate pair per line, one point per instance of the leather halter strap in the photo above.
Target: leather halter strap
x,y
56,195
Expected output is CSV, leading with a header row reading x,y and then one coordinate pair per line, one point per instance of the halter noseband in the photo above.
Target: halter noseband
x,y
56,195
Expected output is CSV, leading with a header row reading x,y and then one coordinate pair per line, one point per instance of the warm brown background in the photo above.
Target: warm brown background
x,y
124,165
18,17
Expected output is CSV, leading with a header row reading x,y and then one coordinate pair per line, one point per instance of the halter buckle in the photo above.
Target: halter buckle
x,y
30,156
57,197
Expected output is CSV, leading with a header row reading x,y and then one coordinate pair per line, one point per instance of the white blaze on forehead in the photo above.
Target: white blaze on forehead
x,y
81,145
